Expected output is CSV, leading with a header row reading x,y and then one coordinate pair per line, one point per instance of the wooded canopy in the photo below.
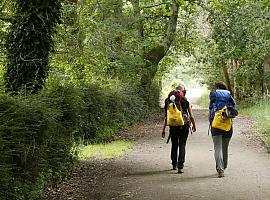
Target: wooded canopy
x,y
73,70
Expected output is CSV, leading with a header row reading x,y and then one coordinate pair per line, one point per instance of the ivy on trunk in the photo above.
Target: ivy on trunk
x,y
29,43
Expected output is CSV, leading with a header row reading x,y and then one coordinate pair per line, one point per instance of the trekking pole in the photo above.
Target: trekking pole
x,y
169,137
209,128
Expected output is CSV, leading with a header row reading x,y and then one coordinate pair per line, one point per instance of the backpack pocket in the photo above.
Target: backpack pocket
x,y
220,120
174,116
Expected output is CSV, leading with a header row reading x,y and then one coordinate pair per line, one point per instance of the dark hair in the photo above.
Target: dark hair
x,y
220,85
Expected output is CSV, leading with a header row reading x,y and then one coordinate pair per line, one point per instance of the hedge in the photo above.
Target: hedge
x,y
39,133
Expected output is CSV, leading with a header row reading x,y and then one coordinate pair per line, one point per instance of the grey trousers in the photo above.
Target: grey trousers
x,y
221,152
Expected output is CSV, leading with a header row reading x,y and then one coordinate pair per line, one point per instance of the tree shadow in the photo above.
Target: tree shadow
x,y
183,177
150,173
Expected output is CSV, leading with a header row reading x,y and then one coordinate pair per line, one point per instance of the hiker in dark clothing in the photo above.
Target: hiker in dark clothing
x,y
220,97
179,134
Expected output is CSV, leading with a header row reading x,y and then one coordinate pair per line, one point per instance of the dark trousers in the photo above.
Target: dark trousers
x,y
179,137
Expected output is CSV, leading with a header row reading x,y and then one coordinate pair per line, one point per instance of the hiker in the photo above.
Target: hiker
x,y
219,97
179,134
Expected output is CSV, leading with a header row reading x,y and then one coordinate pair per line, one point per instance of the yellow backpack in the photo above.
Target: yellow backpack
x,y
220,121
174,116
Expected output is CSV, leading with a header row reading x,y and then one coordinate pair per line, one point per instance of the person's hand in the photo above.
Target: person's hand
x,y
194,128
163,134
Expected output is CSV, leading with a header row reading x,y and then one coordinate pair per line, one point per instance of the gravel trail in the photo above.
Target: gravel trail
x,y
145,173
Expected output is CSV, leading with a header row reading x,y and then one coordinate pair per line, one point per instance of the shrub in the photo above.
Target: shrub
x,y
38,133
35,144
111,108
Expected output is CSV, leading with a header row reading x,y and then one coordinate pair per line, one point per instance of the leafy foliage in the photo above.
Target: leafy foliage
x,y
102,75
237,42
34,146
38,133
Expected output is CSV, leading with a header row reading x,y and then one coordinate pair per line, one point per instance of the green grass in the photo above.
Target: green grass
x,y
260,112
204,100
110,150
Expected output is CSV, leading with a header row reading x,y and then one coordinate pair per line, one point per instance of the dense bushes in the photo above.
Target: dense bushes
x,y
38,133
110,108
35,144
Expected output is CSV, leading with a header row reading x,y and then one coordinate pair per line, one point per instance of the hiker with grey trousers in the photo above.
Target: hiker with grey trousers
x,y
219,97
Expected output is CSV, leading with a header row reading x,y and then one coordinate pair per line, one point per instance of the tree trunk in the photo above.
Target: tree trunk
x,y
235,87
137,13
226,77
261,72
155,55
266,65
160,83
29,43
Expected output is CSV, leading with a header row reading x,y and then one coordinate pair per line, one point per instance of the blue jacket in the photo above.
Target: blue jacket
x,y
218,99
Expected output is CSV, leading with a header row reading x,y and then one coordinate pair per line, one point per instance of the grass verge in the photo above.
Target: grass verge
x,y
204,100
110,150
260,112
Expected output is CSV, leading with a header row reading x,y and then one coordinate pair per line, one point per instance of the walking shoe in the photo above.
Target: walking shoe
x,y
174,167
220,174
180,171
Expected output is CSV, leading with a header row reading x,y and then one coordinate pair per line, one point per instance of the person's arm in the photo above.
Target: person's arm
x,y
165,118
209,116
192,119
212,100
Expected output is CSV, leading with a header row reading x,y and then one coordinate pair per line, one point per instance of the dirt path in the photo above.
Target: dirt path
x,y
145,173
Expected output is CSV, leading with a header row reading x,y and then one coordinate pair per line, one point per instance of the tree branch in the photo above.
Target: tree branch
x,y
154,55
154,5
158,52
137,11
171,28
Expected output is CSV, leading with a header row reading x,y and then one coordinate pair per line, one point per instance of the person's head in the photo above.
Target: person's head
x,y
220,85
182,89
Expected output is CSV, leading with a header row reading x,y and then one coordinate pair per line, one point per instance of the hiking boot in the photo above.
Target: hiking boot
x,y
180,171
220,174
174,167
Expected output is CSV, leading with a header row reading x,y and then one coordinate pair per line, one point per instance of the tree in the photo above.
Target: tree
x,y
236,45
157,51
29,43
6,10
